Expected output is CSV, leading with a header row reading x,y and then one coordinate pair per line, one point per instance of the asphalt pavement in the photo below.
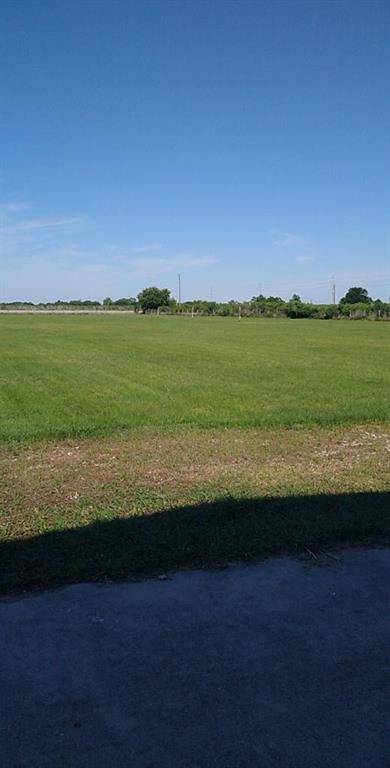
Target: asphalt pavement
x,y
281,664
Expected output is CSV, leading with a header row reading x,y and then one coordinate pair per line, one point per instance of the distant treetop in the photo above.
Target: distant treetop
x,y
152,298
356,296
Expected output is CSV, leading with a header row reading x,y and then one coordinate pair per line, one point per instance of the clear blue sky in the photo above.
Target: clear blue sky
x,y
242,144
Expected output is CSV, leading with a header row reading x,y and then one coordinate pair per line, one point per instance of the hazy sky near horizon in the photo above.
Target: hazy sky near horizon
x,y
244,145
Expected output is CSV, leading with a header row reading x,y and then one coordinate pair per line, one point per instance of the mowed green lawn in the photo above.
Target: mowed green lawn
x,y
72,376
187,459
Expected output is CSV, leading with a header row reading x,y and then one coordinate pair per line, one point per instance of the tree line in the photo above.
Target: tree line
x,y
356,304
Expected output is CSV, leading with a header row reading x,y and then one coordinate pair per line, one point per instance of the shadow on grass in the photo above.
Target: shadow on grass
x,y
202,534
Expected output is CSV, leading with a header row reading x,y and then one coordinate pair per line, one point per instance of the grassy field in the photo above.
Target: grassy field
x,y
133,445
85,376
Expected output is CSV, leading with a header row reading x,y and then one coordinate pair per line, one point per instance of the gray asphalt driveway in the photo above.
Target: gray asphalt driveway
x,y
277,664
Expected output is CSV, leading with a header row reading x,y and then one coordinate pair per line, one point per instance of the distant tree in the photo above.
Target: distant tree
x,y
356,296
83,303
296,298
296,309
153,298
130,302
107,301
257,299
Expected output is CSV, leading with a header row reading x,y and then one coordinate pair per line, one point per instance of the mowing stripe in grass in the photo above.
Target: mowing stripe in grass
x,y
88,376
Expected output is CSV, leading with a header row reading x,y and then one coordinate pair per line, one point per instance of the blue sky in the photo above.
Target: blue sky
x,y
242,144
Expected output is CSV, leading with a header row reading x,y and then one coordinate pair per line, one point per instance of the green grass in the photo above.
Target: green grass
x,y
90,376
206,440
197,534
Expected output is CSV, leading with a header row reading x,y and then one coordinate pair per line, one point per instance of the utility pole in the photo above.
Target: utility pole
x,y
179,280
333,290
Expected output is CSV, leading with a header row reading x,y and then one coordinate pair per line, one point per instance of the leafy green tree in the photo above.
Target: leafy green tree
x,y
296,309
356,296
107,301
82,303
259,298
152,298
130,302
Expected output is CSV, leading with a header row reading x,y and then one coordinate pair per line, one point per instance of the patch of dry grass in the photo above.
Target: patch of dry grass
x,y
123,508
148,471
